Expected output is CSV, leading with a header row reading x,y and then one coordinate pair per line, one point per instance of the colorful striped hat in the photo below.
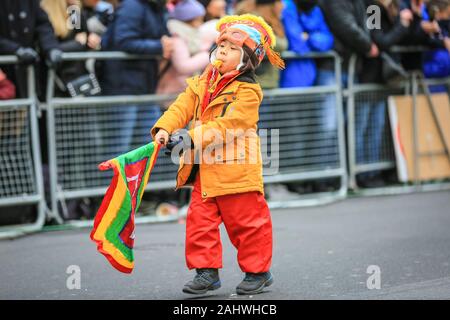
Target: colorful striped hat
x,y
252,31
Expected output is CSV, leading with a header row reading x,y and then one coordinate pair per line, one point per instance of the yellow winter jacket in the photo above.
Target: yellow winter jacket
x,y
230,160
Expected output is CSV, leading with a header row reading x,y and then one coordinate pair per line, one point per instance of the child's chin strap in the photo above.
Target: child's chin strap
x,y
212,58
241,64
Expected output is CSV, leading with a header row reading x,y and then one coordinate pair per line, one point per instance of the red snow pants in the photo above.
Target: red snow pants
x,y
246,217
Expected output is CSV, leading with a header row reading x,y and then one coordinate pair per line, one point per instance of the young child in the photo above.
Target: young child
x,y
223,105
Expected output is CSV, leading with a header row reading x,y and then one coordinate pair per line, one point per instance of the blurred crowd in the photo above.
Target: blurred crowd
x,y
182,33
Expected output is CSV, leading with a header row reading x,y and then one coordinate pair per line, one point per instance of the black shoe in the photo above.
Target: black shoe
x,y
204,280
254,283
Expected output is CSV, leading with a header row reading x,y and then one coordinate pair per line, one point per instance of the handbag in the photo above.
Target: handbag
x,y
84,86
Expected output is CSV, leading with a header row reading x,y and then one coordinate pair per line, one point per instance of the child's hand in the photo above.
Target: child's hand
x,y
162,137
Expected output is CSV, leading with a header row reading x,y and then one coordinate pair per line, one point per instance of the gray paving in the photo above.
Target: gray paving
x,y
319,253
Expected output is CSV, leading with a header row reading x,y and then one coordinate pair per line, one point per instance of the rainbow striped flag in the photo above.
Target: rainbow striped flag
x,y
114,223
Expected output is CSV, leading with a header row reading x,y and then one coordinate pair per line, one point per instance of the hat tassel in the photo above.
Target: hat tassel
x,y
275,59
273,56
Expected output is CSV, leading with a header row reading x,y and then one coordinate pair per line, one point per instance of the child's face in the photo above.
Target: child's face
x,y
229,54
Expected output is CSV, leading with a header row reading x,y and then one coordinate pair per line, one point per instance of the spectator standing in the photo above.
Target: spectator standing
x,y
26,32
75,39
347,22
394,28
306,32
269,77
420,33
139,27
371,115
98,14
190,49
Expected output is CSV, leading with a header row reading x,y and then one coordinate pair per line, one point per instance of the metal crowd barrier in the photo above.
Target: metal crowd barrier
x,y
83,132
21,181
362,98
311,134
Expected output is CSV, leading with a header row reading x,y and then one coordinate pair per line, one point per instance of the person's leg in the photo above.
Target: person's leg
x,y
203,245
247,219
327,111
376,130
362,113
328,125
126,119
375,135
249,226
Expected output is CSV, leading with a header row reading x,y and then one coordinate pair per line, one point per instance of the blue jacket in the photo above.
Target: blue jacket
x,y
137,28
436,63
302,73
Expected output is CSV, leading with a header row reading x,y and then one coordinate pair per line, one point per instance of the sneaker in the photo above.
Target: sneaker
x,y
204,281
254,283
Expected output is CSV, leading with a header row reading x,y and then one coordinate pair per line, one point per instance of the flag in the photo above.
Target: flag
x,y
114,223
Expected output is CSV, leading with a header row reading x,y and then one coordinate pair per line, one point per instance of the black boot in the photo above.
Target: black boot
x,y
254,283
204,280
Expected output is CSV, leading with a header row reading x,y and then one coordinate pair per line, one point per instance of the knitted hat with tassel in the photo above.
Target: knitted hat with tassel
x,y
251,31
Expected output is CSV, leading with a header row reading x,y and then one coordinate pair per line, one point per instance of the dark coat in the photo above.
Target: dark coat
x,y
347,21
70,70
391,33
23,24
418,37
137,28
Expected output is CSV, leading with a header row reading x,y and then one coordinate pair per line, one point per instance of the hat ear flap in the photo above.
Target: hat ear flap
x,y
273,56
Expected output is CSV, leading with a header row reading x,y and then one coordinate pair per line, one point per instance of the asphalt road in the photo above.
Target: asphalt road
x,y
319,253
